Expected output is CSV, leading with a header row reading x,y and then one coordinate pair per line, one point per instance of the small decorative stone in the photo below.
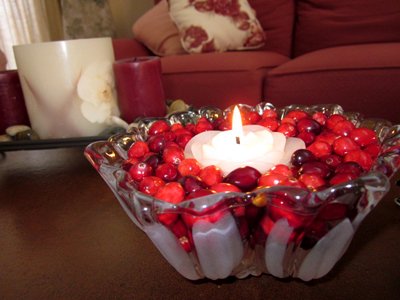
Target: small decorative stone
x,y
5,138
177,106
26,135
13,130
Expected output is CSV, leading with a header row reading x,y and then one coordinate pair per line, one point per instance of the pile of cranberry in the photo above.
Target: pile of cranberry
x,y
336,152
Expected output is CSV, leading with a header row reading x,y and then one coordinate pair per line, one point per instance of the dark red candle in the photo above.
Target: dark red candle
x,y
12,104
139,88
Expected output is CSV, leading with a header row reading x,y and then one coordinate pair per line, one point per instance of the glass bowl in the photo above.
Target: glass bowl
x,y
283,231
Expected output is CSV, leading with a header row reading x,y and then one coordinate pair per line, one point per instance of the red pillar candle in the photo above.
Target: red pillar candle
x,y
12,104
139,88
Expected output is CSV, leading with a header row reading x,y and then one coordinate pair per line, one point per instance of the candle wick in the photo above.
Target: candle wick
x,y
238,140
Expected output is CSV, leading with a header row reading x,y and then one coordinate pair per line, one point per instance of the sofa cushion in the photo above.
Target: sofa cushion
x,y
327,23
156,30
208,26
276,18
219,79
361,78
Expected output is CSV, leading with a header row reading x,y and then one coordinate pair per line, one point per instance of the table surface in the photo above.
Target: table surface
x,y
63,235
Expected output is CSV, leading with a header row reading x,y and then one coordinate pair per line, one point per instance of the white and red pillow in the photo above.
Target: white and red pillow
x,y
216,25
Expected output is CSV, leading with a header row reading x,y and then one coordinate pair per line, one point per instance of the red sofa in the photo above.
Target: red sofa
x,y
316,51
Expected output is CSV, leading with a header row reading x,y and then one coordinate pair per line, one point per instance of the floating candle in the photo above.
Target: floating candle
x,y
251,145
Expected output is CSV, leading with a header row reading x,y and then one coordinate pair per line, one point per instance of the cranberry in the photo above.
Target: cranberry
x,y
312,181
224,187
327,137
332,160
140,170
183,139
199,193
297,114
343,145
361,157
158,126
287,120
252,117
244,178
138,149
301,156
150,185
176,126
271,179
333,120
211,175
333,212
270,123
342,178
183,235
320,149
191,184
343,128
289,130
189,166
363,136
152,159
281,169
269,113
315,168
349,167
167,172
171,192
320,117
283,208
203,125
156,143
173,154
307,137
309,125
373,149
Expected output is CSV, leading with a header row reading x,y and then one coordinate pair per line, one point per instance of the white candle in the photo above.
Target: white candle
x,y
251,145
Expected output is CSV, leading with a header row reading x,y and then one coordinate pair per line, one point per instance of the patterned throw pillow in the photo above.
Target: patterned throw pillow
x,y
216,25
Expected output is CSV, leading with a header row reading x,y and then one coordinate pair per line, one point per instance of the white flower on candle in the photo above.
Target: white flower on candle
x,y
251,145
96,88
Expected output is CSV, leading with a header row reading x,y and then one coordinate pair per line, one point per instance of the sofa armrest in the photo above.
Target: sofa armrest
x,y
129,47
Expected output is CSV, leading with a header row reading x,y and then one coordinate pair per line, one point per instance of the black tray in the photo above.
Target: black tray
x,y
49,143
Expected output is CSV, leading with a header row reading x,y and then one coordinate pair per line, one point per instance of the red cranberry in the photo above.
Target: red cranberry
x,y
191,184
183,235
332,160
140,170
287,120
327,137
312,181
167,172
309,125
189,166
301,156
349,167
363,136
361,157
333,120
343,128
150,185
333,212
156,143
315,168
281,169
270,123
271,179
223,187
269,113
297,114
171,192
138,149
320,117
211,175
173,155
199,193
342,178
244,178
203,125
153,160
373,149
183,139
320,149
307,137
158,127
343,145
252,117
289,130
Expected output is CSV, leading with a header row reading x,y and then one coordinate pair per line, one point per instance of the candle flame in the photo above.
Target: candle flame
x,y
237,126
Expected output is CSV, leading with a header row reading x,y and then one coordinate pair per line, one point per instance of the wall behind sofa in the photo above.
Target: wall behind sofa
x,y
126,12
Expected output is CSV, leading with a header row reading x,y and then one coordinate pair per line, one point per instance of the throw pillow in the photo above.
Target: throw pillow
x,y
216,25
157,32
